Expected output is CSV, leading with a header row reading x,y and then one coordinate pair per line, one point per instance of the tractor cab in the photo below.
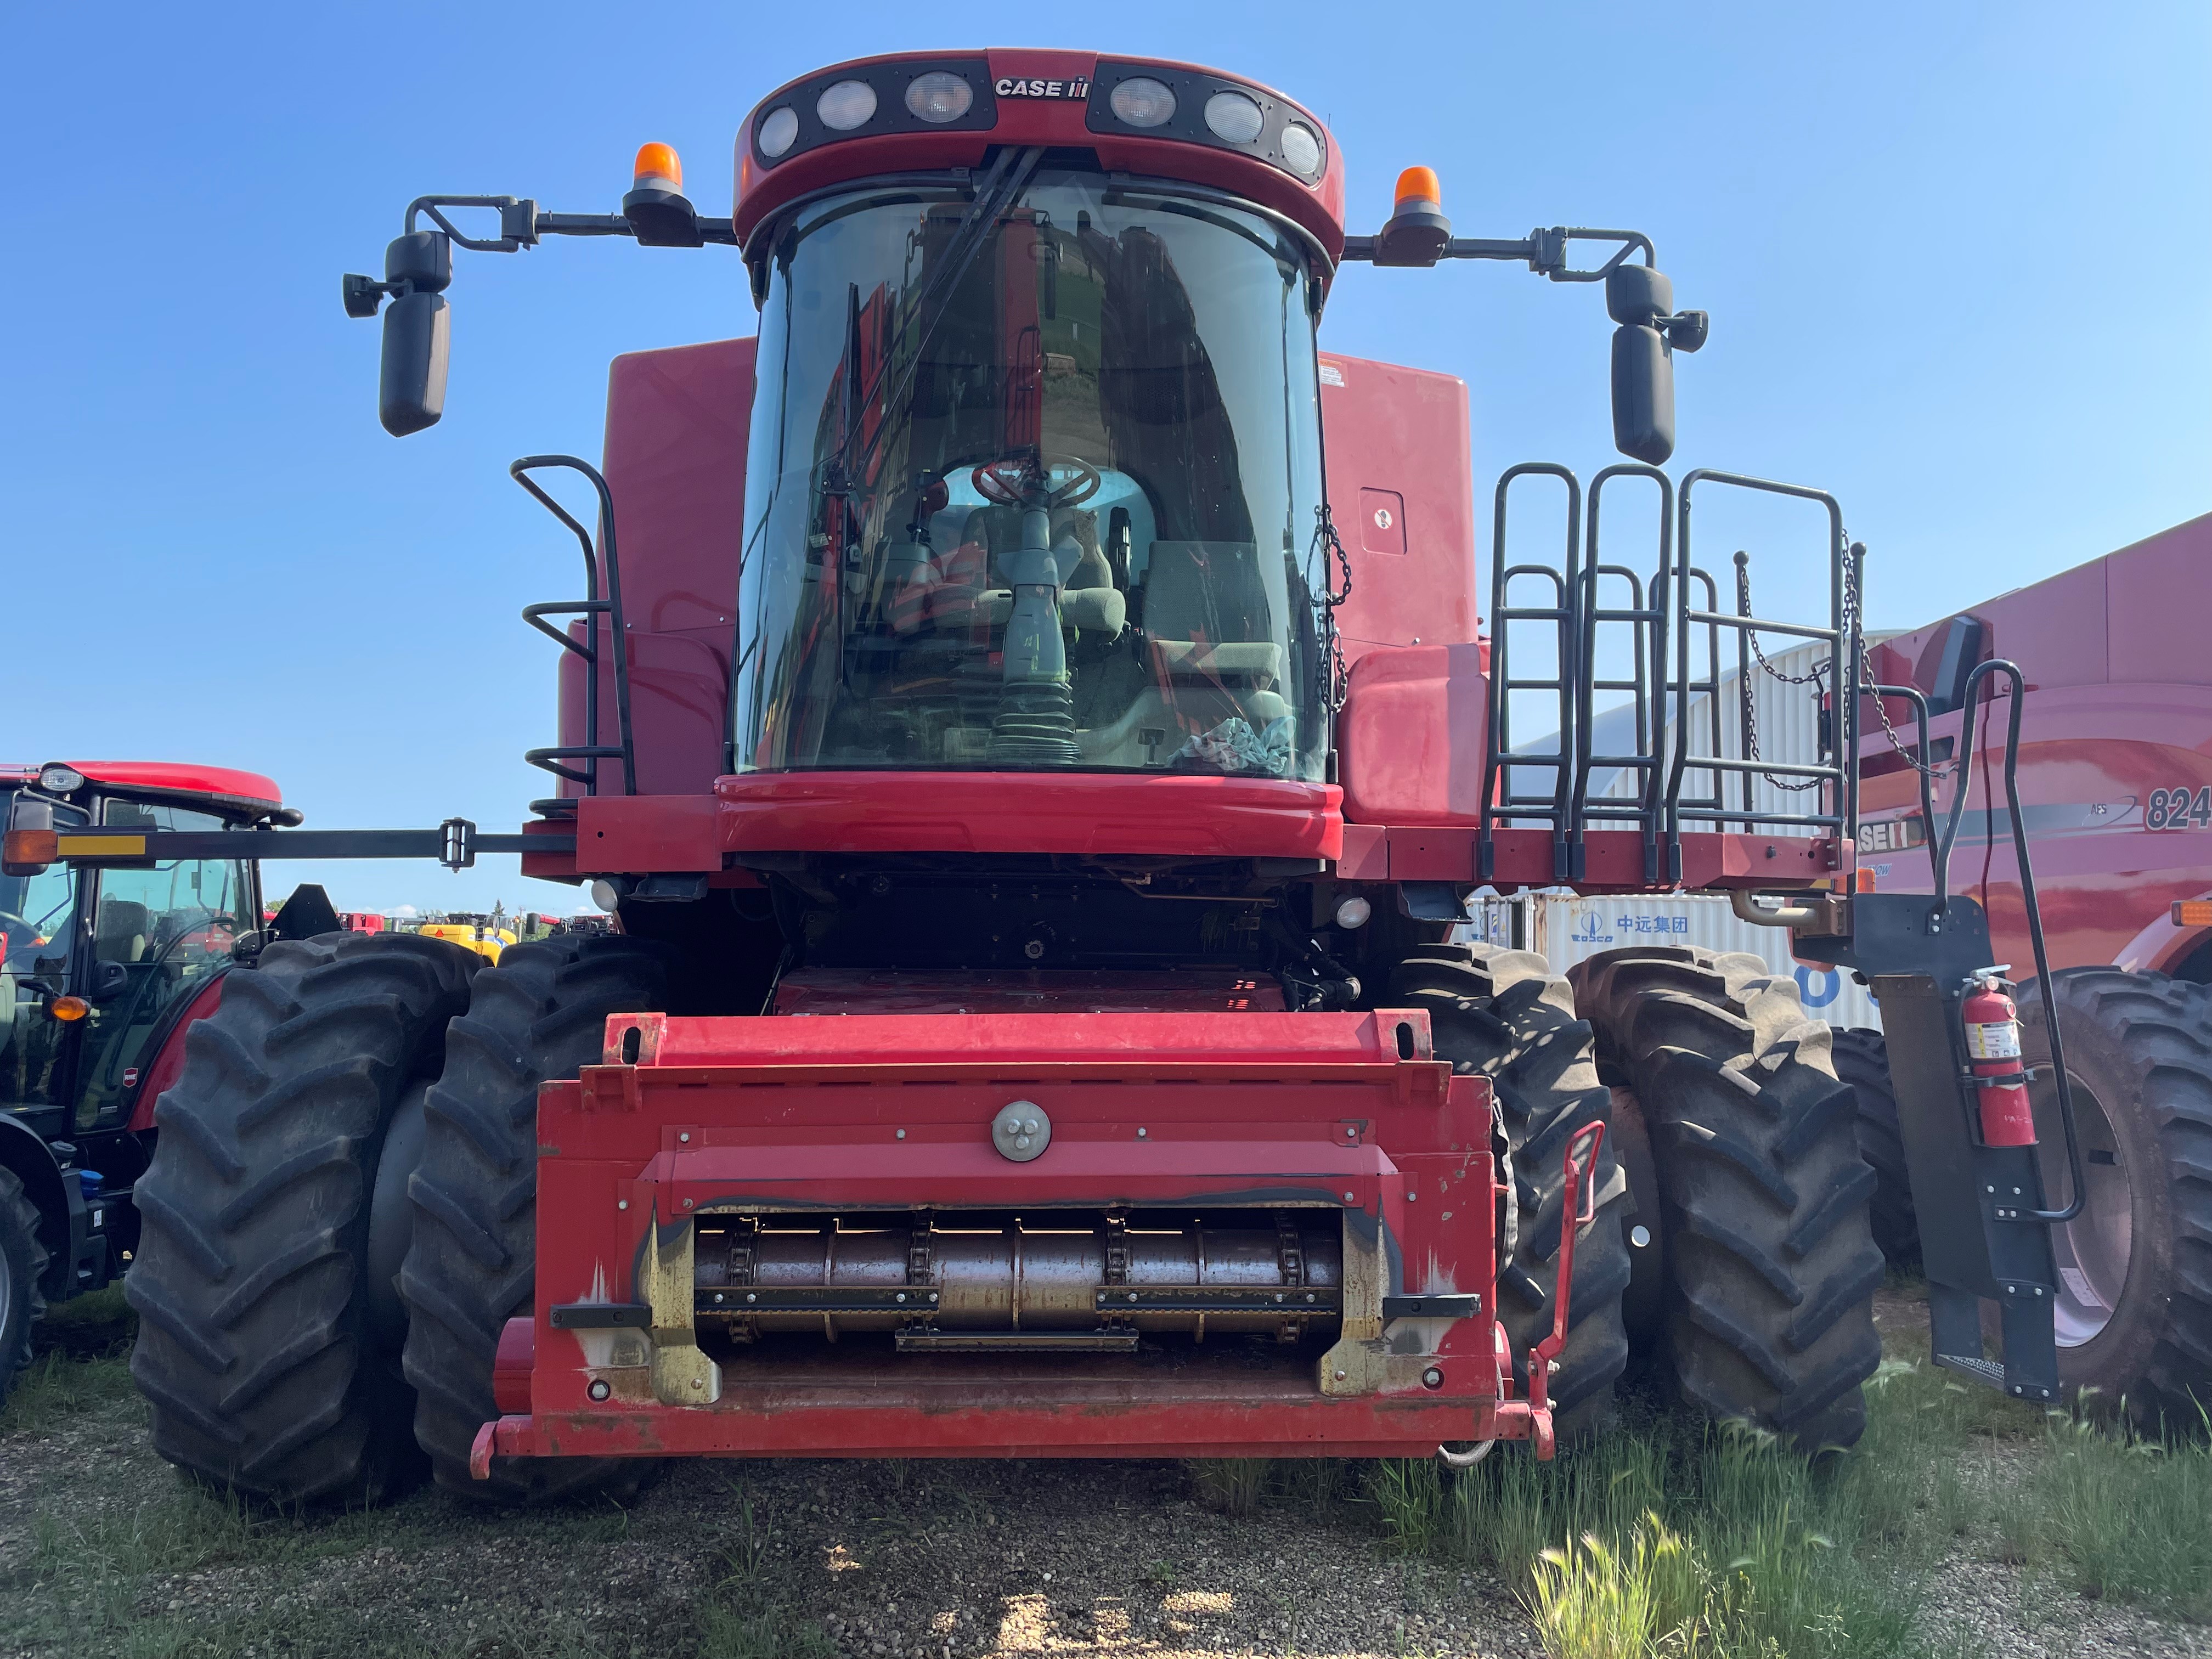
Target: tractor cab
x,y
96,967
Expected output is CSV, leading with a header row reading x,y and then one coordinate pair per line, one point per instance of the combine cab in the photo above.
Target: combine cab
x,y
1039,782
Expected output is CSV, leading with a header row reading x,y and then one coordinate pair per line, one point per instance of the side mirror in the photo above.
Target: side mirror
x,y
417,330
29,844
412,387
110,980
1643,394
1642,301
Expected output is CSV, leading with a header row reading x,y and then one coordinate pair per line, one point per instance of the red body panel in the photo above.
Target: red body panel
x,y
167,1066
1028,812
2119,709
675,460
1412,734
1343,1112
227,787
1400,490
1055,122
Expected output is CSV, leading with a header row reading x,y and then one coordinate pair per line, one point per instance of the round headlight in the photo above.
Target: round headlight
x,y
845,105
1302,149
1143,102
1233,117
779,130
60,779
938,95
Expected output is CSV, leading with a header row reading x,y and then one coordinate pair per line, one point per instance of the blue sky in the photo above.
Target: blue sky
x,y
1956,257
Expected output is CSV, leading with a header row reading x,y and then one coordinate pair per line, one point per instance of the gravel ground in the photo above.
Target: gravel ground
x,y
104,1551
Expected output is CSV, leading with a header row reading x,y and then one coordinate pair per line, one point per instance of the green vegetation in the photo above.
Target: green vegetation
x,y
1718,1544
2120,1517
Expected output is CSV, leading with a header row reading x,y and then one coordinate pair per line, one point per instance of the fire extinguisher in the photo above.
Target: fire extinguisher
x,y
1992,1021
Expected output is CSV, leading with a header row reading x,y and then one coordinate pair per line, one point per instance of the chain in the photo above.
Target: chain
x,y
1327,541
1936,774
1750,703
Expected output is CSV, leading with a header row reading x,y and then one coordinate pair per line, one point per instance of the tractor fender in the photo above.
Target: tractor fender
x,y
55,1198
2163,947
162,1059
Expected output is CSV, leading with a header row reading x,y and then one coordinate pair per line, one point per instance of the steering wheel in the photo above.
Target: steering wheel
x,y
1006,481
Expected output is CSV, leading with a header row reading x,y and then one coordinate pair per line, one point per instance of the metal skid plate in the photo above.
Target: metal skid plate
x,y
1973,1203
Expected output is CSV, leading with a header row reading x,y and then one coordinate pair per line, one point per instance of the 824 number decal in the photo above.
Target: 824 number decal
x,y
2177,809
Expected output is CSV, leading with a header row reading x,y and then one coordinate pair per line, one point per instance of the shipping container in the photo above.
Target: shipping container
x,y
1784,716
1565,928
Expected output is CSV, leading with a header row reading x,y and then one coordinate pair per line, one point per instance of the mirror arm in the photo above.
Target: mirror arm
x,y
1545,250
522,223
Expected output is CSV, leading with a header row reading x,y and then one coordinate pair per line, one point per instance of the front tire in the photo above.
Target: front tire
x,y
541,1013
1771,1268
257,1348
1504,1014
22,1261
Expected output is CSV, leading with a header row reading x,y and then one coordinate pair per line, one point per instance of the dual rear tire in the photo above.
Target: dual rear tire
x,y
1731,1256
1757,1205
278,1358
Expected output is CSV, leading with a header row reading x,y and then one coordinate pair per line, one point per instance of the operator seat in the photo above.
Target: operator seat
x,y
119,931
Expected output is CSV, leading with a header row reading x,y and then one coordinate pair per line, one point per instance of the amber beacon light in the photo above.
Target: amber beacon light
x,y
660,214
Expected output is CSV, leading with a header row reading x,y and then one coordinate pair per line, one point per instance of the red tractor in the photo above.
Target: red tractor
x,y
2115,767
1037,780
101,976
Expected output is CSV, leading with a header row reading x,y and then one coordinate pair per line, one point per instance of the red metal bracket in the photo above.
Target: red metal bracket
x,y
1578,1211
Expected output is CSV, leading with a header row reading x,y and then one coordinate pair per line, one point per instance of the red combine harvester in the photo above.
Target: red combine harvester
x,y
2115,773
1037,782
101,976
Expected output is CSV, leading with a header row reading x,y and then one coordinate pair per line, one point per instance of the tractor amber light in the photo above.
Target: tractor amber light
x,y
658,167
1418,185
26,852
68,1008
1865,881
2192,913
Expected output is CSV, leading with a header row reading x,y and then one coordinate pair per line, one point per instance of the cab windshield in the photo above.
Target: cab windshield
x,y
1035,486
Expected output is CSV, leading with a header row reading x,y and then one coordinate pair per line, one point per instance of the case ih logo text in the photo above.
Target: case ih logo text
x,y
1007,88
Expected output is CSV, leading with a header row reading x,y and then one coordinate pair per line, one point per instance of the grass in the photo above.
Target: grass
x,y
747,1616
1229,1485
2120,1516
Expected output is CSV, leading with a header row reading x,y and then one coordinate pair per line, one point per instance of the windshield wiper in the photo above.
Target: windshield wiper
x,y
1005,180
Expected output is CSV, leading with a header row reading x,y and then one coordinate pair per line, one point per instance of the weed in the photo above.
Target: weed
x,y
88,1327
1318,1483
2125,1516
759,1629
1409,1494
751,1538
54,1387
1231,1484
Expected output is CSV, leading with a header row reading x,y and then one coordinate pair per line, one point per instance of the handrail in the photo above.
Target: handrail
x,y
1942,858
1497,803
591,607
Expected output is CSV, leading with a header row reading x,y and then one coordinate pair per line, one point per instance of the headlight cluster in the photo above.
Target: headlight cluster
x,y
887,98
1161,100
1170,102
